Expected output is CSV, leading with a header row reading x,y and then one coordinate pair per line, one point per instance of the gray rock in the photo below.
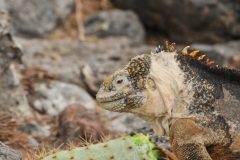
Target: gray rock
x,y
189,21
2,5
86,64
7,153
35,130
116,23
38,17
123,122
60,57
12,96
221,54
54,96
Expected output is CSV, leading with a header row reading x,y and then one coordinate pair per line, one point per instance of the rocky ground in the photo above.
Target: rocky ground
x,y
49,78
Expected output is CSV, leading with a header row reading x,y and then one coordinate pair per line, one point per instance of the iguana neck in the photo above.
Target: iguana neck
x,y
171,97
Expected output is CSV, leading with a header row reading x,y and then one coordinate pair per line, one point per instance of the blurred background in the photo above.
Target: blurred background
x,y
55,54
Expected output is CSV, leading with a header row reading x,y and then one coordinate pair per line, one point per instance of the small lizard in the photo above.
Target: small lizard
x,y
182,96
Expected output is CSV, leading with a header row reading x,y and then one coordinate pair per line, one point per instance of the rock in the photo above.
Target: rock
x,y
221,54
76,122
189,21
52,97
123,122
12,96
7,153
5,28
234,62
2,5
116,23
35,130
85,64
89,79
29,75
38,17
42,54
9,50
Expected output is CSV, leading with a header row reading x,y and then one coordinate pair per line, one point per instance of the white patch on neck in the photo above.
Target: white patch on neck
x,y
169,101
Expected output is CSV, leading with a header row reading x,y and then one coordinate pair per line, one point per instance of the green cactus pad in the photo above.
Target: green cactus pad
x,y
137,147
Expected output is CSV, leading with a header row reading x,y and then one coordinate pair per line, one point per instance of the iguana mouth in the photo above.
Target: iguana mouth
x,y
110,101
105,99
114,102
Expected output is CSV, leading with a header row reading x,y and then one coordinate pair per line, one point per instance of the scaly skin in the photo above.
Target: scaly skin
x,y
195,104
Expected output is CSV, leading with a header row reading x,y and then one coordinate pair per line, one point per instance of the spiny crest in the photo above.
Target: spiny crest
x,y
194,53
171,48
166,47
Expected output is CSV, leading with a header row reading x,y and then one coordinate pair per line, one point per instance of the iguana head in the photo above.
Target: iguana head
x,y
124,90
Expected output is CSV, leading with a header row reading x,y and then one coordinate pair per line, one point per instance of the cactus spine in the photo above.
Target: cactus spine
x,y
137,147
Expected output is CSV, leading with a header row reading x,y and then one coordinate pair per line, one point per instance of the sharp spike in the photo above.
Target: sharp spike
x,y
210,63
158,49
201,57
172,47
166,47
185,50
194,53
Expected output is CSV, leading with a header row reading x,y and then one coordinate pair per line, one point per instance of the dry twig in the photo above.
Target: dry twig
x,y
79,19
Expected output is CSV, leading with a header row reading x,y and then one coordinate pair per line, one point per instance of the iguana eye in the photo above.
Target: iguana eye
x,y
119,81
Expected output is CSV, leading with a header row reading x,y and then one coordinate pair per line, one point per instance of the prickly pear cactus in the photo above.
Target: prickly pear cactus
x,y
137,147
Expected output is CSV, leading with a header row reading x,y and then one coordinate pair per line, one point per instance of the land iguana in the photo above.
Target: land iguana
x,y
182,96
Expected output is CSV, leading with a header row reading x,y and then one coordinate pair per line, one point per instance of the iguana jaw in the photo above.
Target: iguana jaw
x,y
112,101
110,97
116,105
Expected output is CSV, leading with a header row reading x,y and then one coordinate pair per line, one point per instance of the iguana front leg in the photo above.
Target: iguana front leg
x,y
188,140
